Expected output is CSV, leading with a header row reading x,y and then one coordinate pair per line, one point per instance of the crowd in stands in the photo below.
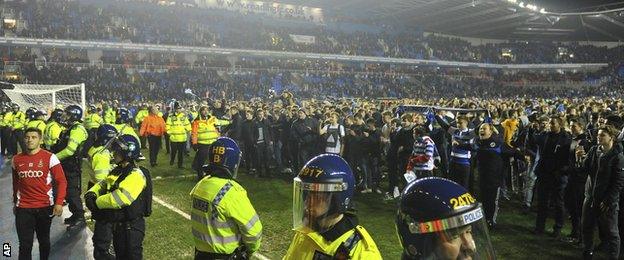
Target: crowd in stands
x,y
146,22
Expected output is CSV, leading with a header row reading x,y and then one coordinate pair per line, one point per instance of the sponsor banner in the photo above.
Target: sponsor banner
x,y
269,8
307,39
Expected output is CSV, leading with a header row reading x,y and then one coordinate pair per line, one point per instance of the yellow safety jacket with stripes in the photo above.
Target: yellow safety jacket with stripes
x,y
92,121
52,133
7,120
127,130
110,116
128,190
77,136
19,120
142,114
223,218
307,244
37,123
177,126
204,131
99,160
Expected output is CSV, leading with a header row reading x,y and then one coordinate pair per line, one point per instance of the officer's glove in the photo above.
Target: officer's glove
x,y
90,198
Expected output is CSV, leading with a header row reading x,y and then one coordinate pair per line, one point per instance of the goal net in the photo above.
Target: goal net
x,y
46,97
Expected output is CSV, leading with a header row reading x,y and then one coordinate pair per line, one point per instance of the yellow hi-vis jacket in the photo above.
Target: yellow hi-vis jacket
x,y
110,116
7,120
19,120
222,217
177,126
93,121
204,131
52,133
77,136
37,123
142,114
306,243
99,160
127,130
128,191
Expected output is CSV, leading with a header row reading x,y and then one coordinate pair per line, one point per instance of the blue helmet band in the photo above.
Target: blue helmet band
x,y
446,224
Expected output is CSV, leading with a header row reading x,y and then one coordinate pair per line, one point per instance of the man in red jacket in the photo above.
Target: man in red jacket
x,y
39,188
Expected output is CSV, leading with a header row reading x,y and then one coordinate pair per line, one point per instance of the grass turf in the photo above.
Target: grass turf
x,y
168,234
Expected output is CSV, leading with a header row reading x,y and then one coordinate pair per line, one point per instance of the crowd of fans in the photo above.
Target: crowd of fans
x,y
145,22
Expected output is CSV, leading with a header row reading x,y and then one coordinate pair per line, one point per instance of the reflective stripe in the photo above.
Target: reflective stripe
x,y
212,223
117,199
254,238
252,222
101,171
215,240
459,155
127,194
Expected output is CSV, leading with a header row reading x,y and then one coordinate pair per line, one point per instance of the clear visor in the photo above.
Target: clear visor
x,y
312,203
459,237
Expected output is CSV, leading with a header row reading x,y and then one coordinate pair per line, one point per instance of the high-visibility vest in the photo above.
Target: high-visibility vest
x,y
204,131
142,114
7,120
37,123
177,126
127,130
119,197
19,120
110,116
306,244
92,121
99,159
51,134
222,217
77,136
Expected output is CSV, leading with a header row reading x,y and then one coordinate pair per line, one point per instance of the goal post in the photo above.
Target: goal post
x,y
46,97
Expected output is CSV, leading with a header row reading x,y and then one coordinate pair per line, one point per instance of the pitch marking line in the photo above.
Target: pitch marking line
x,y
188,217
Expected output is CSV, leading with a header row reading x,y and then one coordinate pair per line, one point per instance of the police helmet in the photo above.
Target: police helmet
x,y
105,133
73,113
225,154
323,189
127,146
40,114
92,109
56,114
15,107
30,113
439,219
123,116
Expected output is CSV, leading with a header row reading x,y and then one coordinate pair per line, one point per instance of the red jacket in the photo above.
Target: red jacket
x,y
36,178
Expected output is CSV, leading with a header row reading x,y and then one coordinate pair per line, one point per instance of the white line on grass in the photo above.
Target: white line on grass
x,y
173,177
188,217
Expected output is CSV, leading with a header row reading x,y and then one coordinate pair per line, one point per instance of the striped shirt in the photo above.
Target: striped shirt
x,y
424,153
466,136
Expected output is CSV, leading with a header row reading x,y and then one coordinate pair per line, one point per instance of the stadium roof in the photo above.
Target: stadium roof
x,y
560,20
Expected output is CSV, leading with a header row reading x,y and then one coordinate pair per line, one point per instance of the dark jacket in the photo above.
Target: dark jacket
x,y
606,173
262,126
553,149
305,131
489,158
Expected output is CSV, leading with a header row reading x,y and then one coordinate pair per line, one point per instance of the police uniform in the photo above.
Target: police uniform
x,y
17,125
118,200
223,219
110,116
37,123
91,122
203,133
68,149
126,129
177,127
352,243
138,119
52,133
99,162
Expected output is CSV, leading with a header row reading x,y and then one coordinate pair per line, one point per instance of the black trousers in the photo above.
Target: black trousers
x,y
128,239
201,155
573,199
393,179
262,158
102,237
489,198
5,136
28,222
550,189
73,193
19,136
249,156
154,147
460,173
179,149
16,136
607,223
167,143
